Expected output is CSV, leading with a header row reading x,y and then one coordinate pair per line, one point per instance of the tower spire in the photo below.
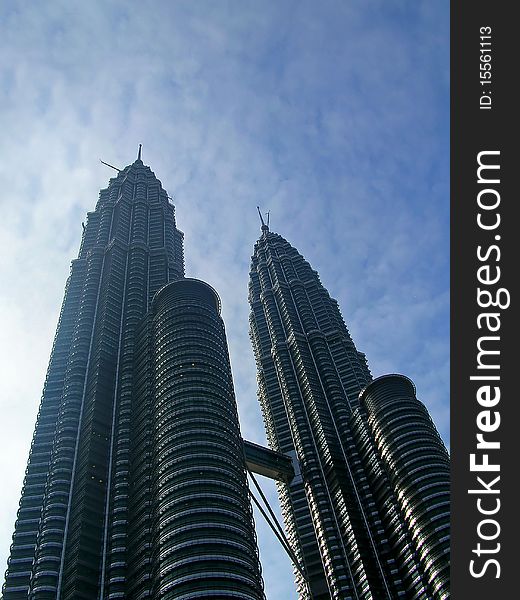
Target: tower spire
x,y
264,226
139,152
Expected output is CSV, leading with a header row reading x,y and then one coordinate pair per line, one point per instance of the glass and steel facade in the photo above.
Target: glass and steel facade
x,y
135,485
194,535
70,534
417,465
345,513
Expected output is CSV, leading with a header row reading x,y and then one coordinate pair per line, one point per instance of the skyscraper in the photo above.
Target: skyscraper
x,y
136,486
367,513
136,440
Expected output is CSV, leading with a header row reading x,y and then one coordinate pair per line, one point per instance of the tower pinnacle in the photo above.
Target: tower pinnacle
x,y
139,152
264,226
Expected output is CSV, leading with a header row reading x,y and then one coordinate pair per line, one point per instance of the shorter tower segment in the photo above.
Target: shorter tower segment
x,y
417,464
192,532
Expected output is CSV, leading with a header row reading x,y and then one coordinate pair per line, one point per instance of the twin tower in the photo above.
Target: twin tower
x,y
136,481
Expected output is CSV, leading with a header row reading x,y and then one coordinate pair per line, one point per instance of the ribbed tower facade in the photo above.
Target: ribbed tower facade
x,y
194,535
417,466
79,516
349,511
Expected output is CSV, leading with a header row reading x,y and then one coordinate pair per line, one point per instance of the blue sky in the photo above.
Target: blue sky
x,y
332,115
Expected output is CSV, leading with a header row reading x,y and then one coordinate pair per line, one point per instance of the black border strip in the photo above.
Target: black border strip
x,y
475,130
